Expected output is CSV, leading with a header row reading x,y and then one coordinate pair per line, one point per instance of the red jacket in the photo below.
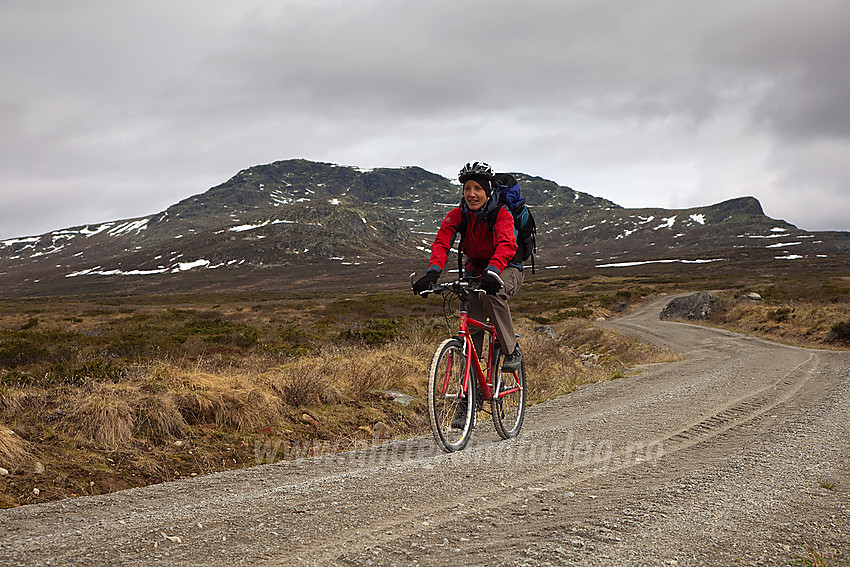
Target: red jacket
x,y
485,248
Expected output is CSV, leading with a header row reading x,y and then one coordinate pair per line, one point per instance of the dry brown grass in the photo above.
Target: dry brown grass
x,y
13,449
11,400
228,398
339,373
306,381
242,409
102,415
579,354
160,415
799,322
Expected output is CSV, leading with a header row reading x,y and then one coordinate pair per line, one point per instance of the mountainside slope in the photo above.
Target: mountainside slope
x,y
298,217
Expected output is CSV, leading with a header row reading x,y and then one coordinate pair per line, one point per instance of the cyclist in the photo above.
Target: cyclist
x,y
489,252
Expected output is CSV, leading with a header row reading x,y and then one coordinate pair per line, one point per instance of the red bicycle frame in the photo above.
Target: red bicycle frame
x,y
485,381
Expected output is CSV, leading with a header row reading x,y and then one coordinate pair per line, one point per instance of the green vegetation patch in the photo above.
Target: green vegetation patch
x,y
371,331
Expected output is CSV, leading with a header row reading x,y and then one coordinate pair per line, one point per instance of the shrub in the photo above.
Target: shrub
x,y
17,350
304,384
371,331
294,342
285,350
841,331
77,372
137,343
16,378
781,314
213,329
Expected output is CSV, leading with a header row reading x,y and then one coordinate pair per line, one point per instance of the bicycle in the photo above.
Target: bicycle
x,y
455,362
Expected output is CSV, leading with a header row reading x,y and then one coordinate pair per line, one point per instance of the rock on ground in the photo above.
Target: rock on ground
x,y
692,307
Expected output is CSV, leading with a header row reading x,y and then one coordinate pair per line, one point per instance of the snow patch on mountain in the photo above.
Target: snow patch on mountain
x,y
668,223
244,227
128,227
173,268
666,261
50,243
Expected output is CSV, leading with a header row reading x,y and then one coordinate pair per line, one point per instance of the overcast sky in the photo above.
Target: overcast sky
x,y
118,109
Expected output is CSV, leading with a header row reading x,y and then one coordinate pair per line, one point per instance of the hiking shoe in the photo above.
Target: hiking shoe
x,y
459,420
513,361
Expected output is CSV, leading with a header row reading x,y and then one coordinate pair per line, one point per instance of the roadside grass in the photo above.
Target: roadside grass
x,y
813,557
13,449
103,393
802,322
579,354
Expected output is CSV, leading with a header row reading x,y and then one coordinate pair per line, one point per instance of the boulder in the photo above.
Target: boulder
x,y
546,330
399,397
691,307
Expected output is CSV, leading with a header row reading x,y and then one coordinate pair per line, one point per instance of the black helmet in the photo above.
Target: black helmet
x,y
475,168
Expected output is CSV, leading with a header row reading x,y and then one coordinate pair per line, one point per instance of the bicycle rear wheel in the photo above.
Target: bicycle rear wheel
x,y
508,403
447,402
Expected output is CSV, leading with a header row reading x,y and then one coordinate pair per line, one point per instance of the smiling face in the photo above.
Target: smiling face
x,y
474,195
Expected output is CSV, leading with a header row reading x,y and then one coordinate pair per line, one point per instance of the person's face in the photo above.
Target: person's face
x,y
474,195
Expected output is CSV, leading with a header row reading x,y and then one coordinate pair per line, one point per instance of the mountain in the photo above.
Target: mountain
x,y
296,222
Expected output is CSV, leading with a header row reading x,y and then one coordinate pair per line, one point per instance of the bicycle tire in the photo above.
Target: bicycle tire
x,y
447,368
508,410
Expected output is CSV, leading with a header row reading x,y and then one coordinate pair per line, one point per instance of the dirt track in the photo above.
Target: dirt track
x,y
735,455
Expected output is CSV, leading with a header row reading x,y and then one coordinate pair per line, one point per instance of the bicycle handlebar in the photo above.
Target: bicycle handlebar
x,y
498,279
458,284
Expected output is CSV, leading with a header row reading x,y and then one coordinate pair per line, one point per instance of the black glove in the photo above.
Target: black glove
x,y
490,284
426,282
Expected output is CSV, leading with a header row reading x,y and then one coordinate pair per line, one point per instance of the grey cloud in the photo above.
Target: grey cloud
x,y
170,98
799,55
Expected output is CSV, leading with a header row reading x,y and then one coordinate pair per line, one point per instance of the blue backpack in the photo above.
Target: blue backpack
x,y
507,187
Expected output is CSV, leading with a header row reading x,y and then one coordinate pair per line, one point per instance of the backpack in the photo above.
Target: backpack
x,y
506,192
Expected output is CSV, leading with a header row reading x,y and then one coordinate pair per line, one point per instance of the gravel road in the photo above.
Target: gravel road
x,y
736,454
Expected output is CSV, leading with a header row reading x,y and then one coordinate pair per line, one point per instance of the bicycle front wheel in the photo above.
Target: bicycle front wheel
x,y
450,408
508,403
